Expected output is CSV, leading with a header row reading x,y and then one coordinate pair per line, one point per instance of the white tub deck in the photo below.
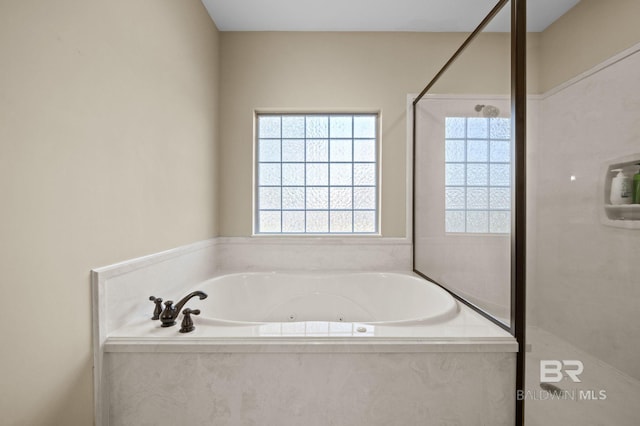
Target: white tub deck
x,y
445,324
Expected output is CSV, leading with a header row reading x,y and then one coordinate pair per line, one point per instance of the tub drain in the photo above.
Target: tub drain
x,y
292,317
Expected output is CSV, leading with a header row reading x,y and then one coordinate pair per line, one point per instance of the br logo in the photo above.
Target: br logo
x,y
551,370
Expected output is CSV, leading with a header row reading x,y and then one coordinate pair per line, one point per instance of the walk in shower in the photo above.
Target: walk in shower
x,y
514,157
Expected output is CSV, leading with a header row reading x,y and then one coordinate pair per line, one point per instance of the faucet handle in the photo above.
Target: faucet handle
x,y
158,309
169,314
187,323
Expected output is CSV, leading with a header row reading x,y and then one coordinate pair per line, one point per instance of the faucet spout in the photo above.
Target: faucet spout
x,y
181,303
170,313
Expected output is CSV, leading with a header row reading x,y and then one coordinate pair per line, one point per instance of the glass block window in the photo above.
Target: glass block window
x,y
316,174
478,175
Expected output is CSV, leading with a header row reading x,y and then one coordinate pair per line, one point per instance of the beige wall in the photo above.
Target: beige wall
x,y
108,146
588,34
108,140
328,71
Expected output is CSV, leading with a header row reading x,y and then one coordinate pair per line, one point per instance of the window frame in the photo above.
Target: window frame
x,y
376,115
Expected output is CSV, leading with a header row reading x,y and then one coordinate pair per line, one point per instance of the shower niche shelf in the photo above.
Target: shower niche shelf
x,y
623,212
622,215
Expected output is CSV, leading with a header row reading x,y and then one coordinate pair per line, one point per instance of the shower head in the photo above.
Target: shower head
x,y
487,110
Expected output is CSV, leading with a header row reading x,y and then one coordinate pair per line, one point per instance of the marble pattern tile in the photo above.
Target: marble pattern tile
x,y
311,389
586,287
619,408
120,294
308,253
476,266
121,291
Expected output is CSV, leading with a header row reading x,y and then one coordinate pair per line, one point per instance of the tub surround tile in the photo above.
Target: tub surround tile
x,y
311,389
123,345
120,294
619,408
474,265
165,274
314,253
586,273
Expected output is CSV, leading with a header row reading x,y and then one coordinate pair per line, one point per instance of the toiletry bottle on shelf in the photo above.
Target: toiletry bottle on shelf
x,y
621,188
636,187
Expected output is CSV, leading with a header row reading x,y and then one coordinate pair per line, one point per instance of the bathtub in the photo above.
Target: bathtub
x,y
372,298
254,306
313,348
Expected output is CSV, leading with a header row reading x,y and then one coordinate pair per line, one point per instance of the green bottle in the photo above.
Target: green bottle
x,y
636,187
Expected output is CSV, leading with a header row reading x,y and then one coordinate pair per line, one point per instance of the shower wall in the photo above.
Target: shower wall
x,y
475,266
586,288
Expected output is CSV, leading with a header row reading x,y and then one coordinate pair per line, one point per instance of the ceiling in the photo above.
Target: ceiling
x,y
374,15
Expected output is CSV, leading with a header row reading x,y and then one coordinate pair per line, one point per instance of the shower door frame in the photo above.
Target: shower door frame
x,y
517,326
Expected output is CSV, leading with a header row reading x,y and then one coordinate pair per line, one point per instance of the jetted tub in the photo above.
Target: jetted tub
x,y
371,298
312,348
